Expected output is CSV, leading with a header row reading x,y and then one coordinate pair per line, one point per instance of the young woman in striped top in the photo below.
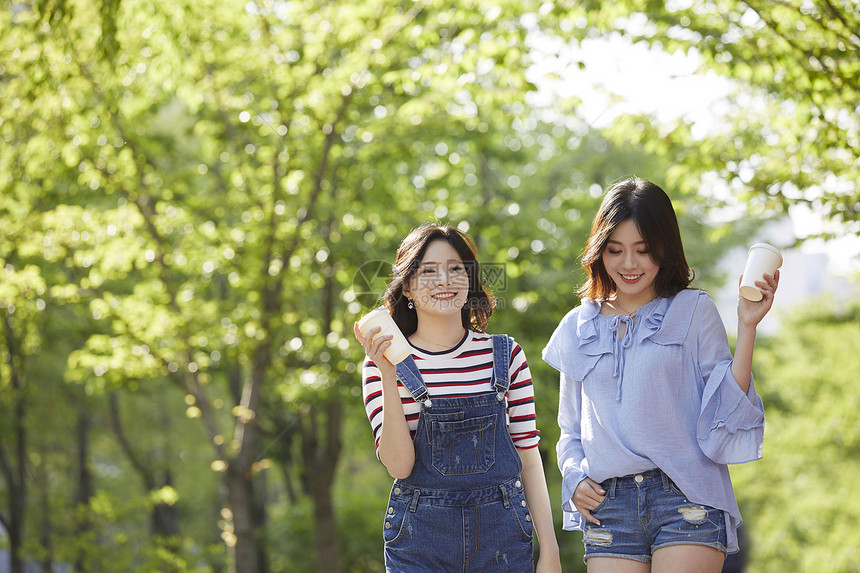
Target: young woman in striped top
x,y
454,423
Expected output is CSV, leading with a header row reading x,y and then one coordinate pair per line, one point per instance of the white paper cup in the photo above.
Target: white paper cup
x,y
763,258
400,348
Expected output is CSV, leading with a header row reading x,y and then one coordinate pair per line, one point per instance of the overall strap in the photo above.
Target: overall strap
x,y
501,364
410,377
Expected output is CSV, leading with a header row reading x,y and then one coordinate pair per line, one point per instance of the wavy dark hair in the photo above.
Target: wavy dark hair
x,y
479,307
651,209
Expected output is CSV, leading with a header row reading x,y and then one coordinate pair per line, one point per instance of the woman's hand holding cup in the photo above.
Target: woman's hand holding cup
x,y
375,347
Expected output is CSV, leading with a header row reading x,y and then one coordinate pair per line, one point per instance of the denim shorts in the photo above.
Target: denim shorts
x,y
644,512
486,530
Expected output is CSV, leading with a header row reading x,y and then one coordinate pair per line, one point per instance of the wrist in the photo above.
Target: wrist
x,y
548,551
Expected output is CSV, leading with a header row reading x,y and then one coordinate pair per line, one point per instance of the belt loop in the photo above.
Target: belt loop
x,y
666,481
414,505
505,496
612,485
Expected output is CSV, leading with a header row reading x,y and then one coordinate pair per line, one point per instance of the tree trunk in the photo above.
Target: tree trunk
x,y
245,540
260,519
46,529
16,527
320,462
325,526
85,487
13,470
165,521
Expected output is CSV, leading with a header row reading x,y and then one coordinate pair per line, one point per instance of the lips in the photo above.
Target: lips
x,y
442,296
631,278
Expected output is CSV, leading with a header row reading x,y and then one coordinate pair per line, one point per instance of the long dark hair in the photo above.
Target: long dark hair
x,y
480,304
651,209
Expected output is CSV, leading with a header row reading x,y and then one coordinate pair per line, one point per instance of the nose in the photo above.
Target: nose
x,y
446,275
629,260
442,276
449,276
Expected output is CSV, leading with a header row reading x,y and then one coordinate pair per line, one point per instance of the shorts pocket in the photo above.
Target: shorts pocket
x,y
601,504
463,447
396,517
520,511
675,489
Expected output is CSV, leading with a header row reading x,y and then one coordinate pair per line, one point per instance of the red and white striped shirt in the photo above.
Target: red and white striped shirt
x,y
465,370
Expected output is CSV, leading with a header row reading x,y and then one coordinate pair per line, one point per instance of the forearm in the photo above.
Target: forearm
x,y
396,451
750,315
742,361
537,497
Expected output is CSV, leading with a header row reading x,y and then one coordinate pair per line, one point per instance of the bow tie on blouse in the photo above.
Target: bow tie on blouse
x,y
619,344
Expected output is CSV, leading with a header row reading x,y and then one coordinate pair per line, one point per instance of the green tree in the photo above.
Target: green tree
x,y
201,197
207,162
792,135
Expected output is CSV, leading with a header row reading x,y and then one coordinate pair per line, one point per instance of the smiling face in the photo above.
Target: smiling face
x,y
440,285
629,265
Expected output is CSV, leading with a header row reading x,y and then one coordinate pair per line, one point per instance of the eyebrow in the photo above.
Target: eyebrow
x,y
445,262
620,243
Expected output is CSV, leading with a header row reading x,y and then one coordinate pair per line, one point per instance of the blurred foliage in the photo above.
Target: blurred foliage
x,y
800,507
198,199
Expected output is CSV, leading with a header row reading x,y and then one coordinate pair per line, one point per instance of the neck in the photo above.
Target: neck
x,y
443,332
631,304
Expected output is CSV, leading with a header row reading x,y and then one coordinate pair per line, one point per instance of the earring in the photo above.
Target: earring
x,y
409,304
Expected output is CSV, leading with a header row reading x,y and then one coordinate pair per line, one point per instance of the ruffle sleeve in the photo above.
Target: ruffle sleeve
x,y
571,457
730,428
573,349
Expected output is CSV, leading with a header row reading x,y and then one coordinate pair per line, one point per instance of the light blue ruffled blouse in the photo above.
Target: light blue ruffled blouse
x,y
663,396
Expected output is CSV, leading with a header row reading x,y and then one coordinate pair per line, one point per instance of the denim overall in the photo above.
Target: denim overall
x,y
463,508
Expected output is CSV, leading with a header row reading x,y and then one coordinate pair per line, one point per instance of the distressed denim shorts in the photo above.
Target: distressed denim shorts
x,y
644,512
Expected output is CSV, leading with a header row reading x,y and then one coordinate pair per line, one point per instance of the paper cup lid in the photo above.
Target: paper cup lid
x,y
770,248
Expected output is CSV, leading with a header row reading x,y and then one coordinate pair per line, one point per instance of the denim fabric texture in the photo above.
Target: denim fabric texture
x,y
463,508
643,512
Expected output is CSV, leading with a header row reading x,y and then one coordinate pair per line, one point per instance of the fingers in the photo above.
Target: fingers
x,y
589,489
768,286
371,338
380,344
586,513
374,345
588,517
772,281
587,496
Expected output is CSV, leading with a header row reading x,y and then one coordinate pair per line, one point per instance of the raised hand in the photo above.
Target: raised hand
x,y
750,313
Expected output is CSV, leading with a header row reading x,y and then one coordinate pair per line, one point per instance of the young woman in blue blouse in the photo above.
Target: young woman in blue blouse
x,y
652,403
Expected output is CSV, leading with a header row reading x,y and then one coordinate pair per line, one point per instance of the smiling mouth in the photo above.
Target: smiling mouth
x,y
631,278
444,296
